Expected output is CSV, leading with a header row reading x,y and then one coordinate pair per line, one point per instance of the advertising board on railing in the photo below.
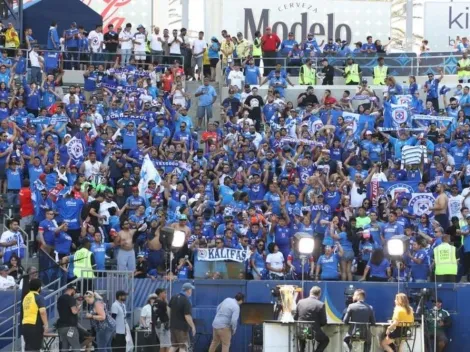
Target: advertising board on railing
x,y
349,20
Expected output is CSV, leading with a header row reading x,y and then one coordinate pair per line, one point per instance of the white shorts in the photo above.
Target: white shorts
x,y
140,55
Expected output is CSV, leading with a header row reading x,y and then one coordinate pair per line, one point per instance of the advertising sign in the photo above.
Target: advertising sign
x,y
444,21
349,20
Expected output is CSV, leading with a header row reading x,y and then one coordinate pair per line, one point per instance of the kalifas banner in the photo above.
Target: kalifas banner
x,y
221,254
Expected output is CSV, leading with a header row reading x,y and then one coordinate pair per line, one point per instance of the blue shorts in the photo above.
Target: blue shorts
x,y
347,256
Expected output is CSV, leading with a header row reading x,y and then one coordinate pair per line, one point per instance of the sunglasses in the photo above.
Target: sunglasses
x,y
218,242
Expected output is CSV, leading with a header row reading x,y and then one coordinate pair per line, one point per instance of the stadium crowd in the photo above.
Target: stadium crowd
x,y
251,178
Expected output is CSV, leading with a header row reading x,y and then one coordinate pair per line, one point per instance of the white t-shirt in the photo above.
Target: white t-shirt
x,y
276,260
91,169
141,38
34,58
175,47
236,78
156,44
6,283
146,313
179,98
455,205
104,210
96,41
198,46
356,198
465,192
125,35
379,177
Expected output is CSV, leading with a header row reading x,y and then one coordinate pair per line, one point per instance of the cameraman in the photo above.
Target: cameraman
x,y
67,324
437,321
161,320
359,312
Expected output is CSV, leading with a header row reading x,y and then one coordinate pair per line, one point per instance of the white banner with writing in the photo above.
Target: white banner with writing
x,y
221,254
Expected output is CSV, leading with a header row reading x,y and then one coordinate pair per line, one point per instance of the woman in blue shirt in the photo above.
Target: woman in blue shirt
x,y
378,267
213,54
366,247
413,87
345,240
328,263
425,227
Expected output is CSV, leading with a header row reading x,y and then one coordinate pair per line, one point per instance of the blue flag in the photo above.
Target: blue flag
x,y
396,115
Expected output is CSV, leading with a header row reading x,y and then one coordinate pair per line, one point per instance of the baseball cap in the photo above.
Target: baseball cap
x,y
141,255
3,268
448,168
187,286
368,132
140,26
183,217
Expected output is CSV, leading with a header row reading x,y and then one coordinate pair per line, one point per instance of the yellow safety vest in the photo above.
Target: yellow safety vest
x,y
308,76
82,264
444,257
380,73
257,48
353,75
463,63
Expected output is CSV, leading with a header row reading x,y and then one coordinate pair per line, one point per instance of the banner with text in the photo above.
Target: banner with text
x,y
219,254
326,19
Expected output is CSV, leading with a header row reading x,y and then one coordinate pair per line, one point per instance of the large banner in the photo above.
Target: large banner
x,y
219,254
349,20
443,22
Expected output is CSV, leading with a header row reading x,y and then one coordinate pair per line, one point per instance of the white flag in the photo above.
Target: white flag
x,y
75,148
147,173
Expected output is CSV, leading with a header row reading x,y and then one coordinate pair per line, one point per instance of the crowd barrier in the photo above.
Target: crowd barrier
x,y
399,64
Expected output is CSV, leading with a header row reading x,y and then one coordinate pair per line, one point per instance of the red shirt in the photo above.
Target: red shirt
x,y
26,203
270,42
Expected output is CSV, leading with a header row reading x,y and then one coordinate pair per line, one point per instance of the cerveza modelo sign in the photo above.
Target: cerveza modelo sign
x,y
220,254
340,30
348,20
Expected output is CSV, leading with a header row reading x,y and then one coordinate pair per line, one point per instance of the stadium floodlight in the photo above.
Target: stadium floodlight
x,y
397,245
305,243
172,239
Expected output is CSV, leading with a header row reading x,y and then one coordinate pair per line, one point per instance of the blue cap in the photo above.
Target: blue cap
x,y
187,286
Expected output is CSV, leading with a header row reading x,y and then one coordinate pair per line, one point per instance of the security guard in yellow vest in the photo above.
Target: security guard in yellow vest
x,y
84,261
463,69
257,51
380,72
307,75
352,73
445,261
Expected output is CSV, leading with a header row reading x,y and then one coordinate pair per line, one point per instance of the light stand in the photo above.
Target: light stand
x,y
396,248
305,246
172,240
303,259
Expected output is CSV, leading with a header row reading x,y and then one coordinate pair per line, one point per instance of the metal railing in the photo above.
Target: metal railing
x,y
79,59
